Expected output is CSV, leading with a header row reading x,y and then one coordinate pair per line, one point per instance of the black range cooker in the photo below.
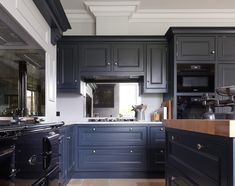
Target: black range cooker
x,y
29,156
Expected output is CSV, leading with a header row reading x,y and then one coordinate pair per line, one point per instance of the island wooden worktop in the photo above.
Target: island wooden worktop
x,y
214,127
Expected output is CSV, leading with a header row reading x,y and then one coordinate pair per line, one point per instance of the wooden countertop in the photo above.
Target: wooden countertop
x,y
214,127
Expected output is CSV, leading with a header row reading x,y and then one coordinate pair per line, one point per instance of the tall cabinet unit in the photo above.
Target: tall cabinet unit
x,y
200,45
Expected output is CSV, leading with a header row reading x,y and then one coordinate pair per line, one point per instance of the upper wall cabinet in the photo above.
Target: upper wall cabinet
x,y
155,77
226,48
195,48
128,57
116,57
67,68
95,57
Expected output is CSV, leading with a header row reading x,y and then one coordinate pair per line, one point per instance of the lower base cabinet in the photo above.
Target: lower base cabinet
x,y
198,159
67,153
120,151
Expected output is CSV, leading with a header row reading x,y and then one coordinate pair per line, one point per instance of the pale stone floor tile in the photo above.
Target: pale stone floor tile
x,y
117,182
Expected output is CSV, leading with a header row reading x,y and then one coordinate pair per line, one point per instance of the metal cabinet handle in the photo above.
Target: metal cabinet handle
x,y
212,52
93,129
161,129
108,63
173,178
172,138
115,63
161,151
131,151
131,129
75,81
199,146
68,138
93,151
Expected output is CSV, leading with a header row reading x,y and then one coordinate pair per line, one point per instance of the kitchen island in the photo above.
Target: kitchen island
x,y
200,152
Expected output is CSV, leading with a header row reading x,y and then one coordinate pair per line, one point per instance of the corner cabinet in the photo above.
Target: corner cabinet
x,y
155,79
111,57
67,68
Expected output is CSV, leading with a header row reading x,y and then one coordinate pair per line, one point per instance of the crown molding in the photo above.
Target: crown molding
x,y
161,15
184,15
79,16
115,8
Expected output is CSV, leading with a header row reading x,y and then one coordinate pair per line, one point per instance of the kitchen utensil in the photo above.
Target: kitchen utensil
x,y
139,112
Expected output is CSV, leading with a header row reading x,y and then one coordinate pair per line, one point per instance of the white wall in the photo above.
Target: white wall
x,y
27,14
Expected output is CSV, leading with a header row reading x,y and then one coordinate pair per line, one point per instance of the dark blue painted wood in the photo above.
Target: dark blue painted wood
x,y
112,159
157,135
203,159
112,136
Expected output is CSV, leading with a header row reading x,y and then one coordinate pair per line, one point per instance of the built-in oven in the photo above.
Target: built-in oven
x,y
190,107
195,78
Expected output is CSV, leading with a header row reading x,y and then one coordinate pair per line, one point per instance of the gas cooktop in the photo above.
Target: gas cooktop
x,y
110,119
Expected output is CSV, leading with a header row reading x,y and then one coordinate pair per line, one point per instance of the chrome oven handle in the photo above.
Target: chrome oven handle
x,y
7,151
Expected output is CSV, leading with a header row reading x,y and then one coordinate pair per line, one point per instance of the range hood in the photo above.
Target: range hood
x,y
109,78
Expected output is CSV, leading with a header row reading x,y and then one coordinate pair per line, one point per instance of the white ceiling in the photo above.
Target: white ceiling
x,y
161,4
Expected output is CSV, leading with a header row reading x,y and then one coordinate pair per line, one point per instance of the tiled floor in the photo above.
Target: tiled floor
x,y
117,182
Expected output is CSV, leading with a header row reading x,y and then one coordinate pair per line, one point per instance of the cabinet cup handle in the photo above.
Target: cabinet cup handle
x,y
108,63
115,63
199,146
212,52
131,129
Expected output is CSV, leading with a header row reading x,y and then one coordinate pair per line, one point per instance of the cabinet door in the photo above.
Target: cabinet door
x,y
128,57
70,149
67,67
226,48
63,157
155,78
195,48
226,74
225,77
95,57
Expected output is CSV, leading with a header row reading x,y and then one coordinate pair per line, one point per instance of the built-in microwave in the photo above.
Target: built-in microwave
x,y
195,77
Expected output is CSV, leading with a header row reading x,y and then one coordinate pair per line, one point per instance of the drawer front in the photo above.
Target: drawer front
x,y
111,136
157,159
157,135
111,159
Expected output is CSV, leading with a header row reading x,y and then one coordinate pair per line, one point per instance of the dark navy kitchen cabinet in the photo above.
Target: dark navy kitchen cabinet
x,y
112,159
95,57
128,57
67,68
198,159
226,48
112,136
195,48
155,80
120,150
111,57
226,74
67,153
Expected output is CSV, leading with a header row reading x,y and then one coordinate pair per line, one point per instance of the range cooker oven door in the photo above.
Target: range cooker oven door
x,y
190,107
7,171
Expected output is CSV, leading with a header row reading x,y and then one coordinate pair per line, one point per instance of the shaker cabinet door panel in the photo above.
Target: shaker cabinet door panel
x,y
195,48
226,48
95,57
67,67
128,57
156,67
